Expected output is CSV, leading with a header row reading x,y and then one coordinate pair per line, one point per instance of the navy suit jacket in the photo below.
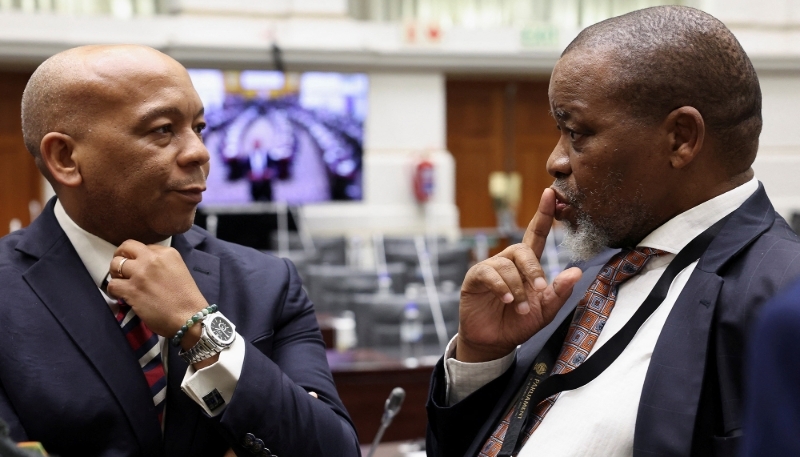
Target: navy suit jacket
x,y
772,406
69,379
692,396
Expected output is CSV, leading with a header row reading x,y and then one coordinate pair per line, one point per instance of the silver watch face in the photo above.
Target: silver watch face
x,y
220,329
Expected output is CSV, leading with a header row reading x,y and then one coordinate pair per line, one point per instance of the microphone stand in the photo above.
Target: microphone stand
x,y
390,409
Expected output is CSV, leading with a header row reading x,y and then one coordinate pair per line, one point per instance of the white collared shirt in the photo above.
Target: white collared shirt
x,y
599,418
96,254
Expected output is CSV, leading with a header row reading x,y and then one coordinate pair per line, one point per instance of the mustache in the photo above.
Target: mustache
x,y
573,195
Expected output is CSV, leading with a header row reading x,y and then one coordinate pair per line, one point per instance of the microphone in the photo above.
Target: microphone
x,y
9,448
393,404
390,409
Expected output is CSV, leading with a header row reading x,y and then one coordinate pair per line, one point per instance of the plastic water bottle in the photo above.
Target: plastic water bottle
x,y
384,284
411,334
345,326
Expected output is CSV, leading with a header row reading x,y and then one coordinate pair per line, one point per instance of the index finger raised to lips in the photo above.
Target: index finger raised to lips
x,y
539,227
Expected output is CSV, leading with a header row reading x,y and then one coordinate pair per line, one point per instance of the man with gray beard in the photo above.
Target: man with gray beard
x,y
660,113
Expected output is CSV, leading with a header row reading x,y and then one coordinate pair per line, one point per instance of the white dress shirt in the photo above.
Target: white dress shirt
x,y
599,418
96,255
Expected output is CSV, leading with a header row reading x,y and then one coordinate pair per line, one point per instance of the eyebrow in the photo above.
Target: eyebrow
x,y
165,111
560,114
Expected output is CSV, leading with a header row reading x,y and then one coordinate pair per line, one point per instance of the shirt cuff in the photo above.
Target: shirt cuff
x,y
462,379
212,387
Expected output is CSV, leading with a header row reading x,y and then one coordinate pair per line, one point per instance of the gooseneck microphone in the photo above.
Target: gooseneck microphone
x,y
390,409
8,448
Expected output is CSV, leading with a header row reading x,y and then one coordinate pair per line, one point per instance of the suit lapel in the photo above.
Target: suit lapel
x,y
671,393
204,267
182,413
754,217
671,390
62,283
527,353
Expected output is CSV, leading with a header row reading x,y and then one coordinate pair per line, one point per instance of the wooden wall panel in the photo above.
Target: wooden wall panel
x,y
20,180
483,116
475,138
535,136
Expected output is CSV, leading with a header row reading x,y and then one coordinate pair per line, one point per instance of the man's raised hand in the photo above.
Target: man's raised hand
x,y
505,299
156,283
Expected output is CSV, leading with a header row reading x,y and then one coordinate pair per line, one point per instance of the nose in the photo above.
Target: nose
x,y
195,152
558,163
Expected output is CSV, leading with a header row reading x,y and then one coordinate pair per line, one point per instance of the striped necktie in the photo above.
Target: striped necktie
x,y
146,348
590,316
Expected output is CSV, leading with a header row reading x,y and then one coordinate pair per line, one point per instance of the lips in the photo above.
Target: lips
x,y
192,194
562,205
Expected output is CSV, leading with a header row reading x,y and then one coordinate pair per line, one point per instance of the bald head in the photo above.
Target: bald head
x,y
117,130
71,88
671,56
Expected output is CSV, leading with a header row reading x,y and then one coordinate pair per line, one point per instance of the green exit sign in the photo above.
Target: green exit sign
x,y
539,36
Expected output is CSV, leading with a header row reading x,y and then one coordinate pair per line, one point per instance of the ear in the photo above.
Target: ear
x,y
687,132
58,155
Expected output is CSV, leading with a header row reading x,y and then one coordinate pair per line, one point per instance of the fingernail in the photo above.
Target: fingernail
x,y
508,298
539,283
523,307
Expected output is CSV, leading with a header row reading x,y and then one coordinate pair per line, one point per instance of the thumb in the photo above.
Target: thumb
x,y
565,281
554,296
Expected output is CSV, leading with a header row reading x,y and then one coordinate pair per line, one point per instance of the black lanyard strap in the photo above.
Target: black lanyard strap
x,y
541,368
539,386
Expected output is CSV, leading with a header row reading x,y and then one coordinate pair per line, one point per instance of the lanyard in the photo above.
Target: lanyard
x,y
539,386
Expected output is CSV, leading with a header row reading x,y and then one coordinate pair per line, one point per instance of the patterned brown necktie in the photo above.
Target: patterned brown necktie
x,y
590,317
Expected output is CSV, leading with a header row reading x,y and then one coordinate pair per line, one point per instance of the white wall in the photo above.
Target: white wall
x,y
750,13
270,7
778,162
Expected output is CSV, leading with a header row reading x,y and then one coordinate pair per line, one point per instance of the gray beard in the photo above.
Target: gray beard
x,y
584,241
589,236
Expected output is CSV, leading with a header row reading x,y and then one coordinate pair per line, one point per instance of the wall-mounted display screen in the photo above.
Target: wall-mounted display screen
x,y
284,137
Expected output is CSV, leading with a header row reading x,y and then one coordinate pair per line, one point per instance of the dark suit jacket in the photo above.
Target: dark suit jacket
x,y
691,399
69,379
772,400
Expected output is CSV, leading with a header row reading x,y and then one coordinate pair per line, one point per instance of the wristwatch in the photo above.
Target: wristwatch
x,y
217,334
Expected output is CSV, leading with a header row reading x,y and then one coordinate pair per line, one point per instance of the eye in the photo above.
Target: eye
x,y
575,136
164,129
198,129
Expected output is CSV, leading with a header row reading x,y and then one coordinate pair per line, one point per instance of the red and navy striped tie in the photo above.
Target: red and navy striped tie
x,y
145,345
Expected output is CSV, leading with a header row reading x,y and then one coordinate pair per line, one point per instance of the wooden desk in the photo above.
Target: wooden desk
x,y
365,378
393,449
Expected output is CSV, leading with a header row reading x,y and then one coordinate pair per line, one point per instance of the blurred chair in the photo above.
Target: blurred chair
x,y
332,288
378,316
449,261
322,251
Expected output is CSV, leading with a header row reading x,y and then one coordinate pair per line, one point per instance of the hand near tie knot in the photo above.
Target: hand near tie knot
x,y
155,282
505,299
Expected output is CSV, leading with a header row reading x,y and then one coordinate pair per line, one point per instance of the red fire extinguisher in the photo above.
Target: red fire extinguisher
x,y
424,181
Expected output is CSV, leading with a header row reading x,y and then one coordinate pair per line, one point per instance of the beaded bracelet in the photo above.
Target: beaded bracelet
x,y
176,340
